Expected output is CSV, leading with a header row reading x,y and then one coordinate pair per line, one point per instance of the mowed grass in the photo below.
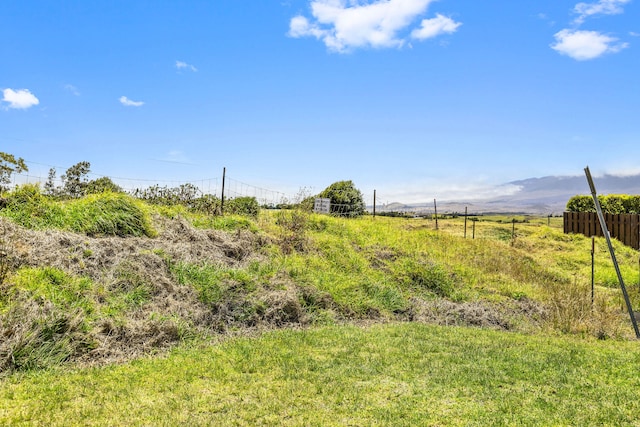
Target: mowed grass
x,y
395,375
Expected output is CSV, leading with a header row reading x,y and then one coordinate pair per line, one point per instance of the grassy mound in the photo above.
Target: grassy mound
x,y
104,214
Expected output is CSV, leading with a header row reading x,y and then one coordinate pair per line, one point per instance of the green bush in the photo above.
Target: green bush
x,y
346,199
243,206
102,185
613,204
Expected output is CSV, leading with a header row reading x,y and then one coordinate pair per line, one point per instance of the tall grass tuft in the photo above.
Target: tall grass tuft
x,y
43,319
104,214
110,214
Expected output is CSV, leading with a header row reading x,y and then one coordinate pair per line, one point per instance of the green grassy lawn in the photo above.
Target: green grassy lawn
x,y
396,374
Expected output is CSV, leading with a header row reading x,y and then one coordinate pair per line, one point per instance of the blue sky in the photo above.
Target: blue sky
x,y
418,99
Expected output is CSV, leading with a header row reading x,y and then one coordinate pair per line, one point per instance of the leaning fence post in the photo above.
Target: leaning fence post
x,y
605,231
593,268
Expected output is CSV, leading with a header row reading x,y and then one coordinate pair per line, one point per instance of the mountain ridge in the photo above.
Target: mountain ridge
x,y
546,195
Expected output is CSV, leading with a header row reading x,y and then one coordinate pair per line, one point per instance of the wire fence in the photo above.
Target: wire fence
x,y
233,188
228,187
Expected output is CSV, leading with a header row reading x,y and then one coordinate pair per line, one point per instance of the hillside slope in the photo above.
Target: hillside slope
x,y
97,299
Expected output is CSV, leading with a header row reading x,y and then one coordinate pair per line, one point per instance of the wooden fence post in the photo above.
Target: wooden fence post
x,y
435,210
224,173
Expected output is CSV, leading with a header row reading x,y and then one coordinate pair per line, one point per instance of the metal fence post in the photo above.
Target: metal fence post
x,y
605,231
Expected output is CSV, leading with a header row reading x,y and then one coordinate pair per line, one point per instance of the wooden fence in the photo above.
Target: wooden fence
x,y
624,227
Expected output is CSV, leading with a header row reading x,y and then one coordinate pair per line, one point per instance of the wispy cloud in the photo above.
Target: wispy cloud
x,y
347,25
601,7
20,99
175,156
71,88
184,66
585,45
425,192
129,103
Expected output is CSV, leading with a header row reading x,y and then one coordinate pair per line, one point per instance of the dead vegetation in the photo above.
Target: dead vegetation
x,y
143,307
138,305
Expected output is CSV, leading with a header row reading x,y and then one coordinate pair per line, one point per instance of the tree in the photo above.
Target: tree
x,y
75,179
9,165
102,185
346,199
50,187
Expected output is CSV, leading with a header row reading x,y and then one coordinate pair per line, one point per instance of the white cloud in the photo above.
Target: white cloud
x,y
344,25
434,27
624,172
20,99
601,7
129,103
584,45
71,88
183,65
424,192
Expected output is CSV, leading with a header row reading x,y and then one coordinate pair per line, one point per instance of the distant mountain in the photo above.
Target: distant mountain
x,y
541,196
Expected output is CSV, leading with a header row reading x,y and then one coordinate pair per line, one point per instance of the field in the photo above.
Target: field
x,y
166,317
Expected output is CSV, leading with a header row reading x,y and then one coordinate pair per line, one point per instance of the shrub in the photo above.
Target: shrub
x,y
293,224
243,206
184,194
613,204
102,185
346,199
207,204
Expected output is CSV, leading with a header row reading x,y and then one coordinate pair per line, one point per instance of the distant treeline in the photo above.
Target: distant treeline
x,y
613,204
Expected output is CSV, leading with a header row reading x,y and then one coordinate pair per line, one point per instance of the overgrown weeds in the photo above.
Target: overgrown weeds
x,y
293,225
104,214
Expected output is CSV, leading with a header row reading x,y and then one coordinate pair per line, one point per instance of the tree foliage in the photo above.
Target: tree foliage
x,y
102,185
9,165
346,199
75,179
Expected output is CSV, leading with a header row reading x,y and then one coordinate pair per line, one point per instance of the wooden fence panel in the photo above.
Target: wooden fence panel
x,y
624,227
